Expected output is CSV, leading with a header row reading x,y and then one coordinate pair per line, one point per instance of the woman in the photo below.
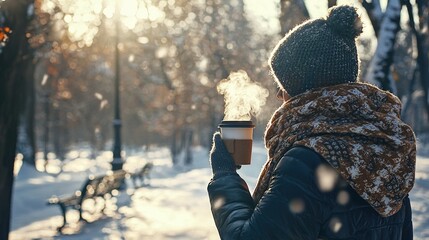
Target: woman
x,y
340,161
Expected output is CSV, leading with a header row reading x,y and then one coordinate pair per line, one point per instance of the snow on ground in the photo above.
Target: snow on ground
x,y
173,206
419,197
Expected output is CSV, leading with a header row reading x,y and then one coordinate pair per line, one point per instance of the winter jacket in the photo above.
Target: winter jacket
x,y
295,207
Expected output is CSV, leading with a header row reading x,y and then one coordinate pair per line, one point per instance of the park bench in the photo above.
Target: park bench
x,y
142,174
94,187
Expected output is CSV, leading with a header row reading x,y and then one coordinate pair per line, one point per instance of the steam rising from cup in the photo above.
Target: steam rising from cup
x,y
243,97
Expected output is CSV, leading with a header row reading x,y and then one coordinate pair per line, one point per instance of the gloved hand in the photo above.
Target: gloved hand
x,y
220,159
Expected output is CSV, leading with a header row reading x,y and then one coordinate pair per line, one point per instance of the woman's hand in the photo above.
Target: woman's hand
x,y
220,159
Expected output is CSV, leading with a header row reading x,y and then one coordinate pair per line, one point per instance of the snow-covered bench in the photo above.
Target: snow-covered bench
x,y
93,188
142,174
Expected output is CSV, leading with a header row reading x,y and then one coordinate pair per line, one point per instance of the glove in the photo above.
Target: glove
x,y
220,159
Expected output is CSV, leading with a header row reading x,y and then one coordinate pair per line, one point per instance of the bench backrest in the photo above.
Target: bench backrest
x,y
102,185
147,167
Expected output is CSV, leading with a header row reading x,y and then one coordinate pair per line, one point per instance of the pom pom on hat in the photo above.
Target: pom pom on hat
x,y
318,53
345,21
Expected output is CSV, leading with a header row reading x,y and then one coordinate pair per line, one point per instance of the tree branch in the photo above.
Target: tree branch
x,y
379,68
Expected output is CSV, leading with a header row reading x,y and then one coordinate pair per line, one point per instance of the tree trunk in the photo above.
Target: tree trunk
x,y
173,146
422,46
375,14
292,13
15,17
407,100
379,67
26,144
189,136
174,135
57,137
46,105
332,3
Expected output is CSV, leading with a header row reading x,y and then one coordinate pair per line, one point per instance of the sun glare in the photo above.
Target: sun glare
x,y
83,18
133,11
128,13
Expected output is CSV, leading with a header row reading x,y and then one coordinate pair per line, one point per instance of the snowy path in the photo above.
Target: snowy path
x,y
174,206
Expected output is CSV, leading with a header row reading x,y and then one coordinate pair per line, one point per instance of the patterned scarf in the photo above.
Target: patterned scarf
x,y
357,129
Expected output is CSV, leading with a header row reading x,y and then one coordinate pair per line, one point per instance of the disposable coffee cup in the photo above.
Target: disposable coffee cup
x,y
238,137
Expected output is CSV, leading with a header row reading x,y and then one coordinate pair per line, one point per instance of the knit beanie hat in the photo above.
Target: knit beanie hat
x,y
318,53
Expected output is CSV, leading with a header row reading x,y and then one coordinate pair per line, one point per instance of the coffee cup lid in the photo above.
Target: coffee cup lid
x,y
236,124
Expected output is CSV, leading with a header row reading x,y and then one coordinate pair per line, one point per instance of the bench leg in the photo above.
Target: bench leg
x,y
104,204
134,181
146,179
63,211
80,214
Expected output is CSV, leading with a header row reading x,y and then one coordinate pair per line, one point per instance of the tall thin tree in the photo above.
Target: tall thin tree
x,y
422,37
14,19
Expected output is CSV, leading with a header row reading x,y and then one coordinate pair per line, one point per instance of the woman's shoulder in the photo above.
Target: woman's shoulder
x,y
300,159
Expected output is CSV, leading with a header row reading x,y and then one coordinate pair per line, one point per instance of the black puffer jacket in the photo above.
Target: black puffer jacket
x,y
294,207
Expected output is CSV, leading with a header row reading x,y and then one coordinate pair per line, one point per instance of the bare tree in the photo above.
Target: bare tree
x,y
26,142
379,70
14,16
422,47
382,67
